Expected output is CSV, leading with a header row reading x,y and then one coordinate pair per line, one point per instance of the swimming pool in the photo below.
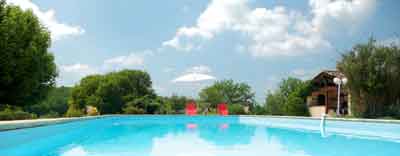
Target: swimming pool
x,y
202,136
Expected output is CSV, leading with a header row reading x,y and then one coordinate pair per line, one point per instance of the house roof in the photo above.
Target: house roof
x,y
326,77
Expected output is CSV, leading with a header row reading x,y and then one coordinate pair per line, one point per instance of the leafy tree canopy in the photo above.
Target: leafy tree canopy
x,y
229,92
110,92
373,72
27,68
289,99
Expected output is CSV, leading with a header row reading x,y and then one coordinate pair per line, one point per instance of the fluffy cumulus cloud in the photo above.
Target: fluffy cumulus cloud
x,y
275,31
70,74
126,61
58,30
132,60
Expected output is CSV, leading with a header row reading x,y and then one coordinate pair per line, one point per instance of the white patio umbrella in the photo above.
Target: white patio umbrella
x,y
193,77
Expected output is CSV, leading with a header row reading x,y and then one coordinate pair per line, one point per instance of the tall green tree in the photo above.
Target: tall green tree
x,y
177,103
373,71
289,99
274,103
27,68
111,92
229,92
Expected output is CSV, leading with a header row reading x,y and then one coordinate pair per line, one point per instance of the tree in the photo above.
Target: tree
x,y
55,104
289,99
27,68
373,71
229,92
177,103
111,92
275,104
296,106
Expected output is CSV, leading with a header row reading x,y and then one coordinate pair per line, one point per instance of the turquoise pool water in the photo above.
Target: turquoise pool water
x,y
202,136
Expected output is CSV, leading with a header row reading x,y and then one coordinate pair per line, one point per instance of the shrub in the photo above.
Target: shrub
x,y
51,114
236,109
74,112
133,110
15,114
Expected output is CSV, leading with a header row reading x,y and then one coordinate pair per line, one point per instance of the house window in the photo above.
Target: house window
x,y
321,100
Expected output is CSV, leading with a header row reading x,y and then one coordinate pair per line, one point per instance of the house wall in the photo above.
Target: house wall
x,y
316,111
330,104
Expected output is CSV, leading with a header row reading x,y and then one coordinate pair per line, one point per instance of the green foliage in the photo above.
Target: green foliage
x,y
236,109
15,113
373,71
148,104
259,110
289,99
74,112
133,110
111,92
275,104
296,106
54,103
165,106
51,114
229,92
177,103
27,68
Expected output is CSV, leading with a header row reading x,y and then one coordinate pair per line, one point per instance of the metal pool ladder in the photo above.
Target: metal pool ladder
x,y
322,125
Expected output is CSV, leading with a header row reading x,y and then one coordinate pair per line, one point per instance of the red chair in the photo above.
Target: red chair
x,y
222,109
191,109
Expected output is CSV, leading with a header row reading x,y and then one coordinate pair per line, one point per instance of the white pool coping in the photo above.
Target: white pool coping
x,y
328,118
18,124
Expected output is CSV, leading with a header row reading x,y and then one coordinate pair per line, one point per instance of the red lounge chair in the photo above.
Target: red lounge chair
x,y
191,109
222,109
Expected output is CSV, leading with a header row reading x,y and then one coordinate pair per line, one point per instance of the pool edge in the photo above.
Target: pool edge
x,y
21,124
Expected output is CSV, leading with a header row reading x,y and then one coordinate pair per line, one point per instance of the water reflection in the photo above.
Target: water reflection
x,y
194,145
75,151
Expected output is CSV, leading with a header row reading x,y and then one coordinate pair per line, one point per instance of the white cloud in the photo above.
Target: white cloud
x,y
58,30
135,59
199,69
390,41
328,13
128,60
275,31
70,74
75,67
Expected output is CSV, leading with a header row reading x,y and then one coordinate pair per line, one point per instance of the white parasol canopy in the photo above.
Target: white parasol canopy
x,y
194,77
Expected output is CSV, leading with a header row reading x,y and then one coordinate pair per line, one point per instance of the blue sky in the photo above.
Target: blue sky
x,y
185,45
